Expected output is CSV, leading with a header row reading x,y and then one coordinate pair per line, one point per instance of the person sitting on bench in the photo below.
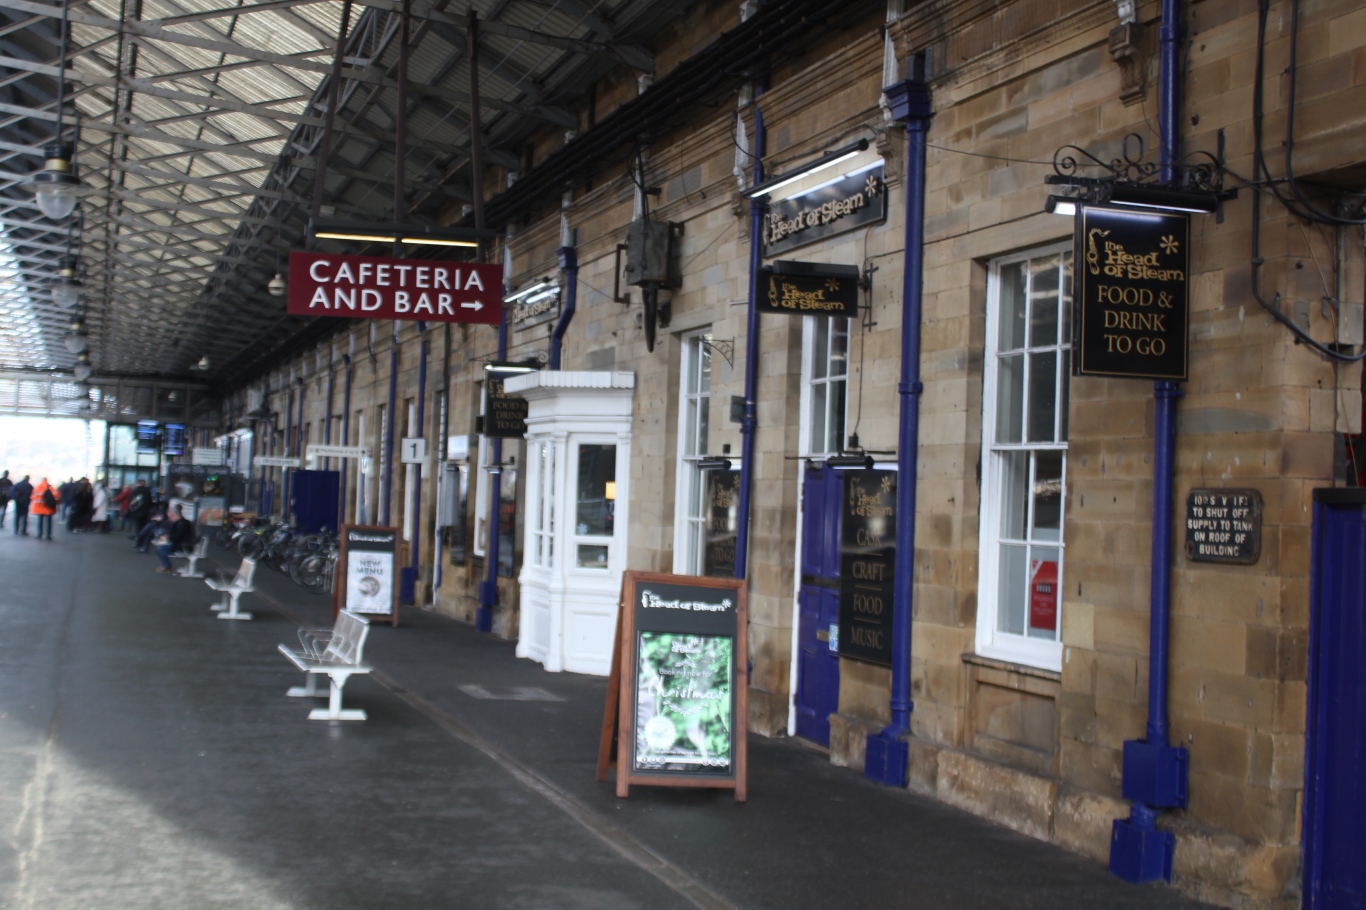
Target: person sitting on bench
x,y
177,538
158,525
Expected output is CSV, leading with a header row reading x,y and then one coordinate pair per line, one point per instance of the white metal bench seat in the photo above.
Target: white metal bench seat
x,y
201,549
232,590
337,652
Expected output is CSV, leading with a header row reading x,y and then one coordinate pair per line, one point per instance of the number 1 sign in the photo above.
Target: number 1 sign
x,y
414,450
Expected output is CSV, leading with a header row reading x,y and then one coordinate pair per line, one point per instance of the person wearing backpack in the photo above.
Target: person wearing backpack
x,y
20,494
45,502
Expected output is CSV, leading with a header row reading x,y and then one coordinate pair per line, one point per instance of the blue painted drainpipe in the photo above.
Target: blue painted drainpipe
x,y
569,261
888,753
1155,772
298,435
749,423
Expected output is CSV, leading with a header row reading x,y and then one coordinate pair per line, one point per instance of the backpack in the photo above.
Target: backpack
x,y
49,501
139,501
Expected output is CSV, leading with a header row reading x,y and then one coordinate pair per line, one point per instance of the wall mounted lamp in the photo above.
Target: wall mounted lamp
x,y
829,159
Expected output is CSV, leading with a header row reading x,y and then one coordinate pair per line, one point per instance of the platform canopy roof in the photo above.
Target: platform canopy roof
x,y
197,126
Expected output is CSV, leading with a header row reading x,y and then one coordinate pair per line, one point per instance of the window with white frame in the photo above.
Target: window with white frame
x,y
1024,462
827,384
542,499
694,421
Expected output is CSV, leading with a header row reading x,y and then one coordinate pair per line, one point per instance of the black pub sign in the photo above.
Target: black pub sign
x,y
722,511
854,200
867,565
1132,301
504,414
809,289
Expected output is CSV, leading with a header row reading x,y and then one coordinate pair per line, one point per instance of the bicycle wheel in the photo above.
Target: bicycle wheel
x,y
313,572
251,546
222,536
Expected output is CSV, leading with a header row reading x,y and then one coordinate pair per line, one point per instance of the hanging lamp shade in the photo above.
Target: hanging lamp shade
x,y
55,186
66,290
82,369
277,286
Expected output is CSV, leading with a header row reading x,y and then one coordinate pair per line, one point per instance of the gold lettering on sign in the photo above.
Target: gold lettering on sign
x,y
791,297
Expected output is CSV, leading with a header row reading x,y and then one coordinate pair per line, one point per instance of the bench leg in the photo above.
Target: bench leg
x,y
308,690
232,607
220,605
334,711
190,569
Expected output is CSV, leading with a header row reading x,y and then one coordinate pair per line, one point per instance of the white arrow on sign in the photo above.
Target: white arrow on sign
x,y
473,306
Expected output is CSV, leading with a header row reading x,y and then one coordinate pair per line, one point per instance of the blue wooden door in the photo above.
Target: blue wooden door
x,y
818,669
1335,740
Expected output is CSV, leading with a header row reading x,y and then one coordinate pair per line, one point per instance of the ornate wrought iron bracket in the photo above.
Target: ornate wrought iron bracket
x,y
1131,179
725,347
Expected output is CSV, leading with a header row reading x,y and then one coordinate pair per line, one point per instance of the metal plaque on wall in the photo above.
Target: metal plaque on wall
x,y
867,566
855,200
536,309
1224,525
1132,299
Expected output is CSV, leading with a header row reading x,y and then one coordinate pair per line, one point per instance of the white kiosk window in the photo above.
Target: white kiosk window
x,y
595,505
542,499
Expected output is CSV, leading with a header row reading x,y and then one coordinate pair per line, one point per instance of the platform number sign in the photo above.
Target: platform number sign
x,y
414,450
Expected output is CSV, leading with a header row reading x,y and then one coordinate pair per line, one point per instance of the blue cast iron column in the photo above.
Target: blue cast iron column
x,y
888,753
749,423
488,591
1155,772
387,477
421,431
346,440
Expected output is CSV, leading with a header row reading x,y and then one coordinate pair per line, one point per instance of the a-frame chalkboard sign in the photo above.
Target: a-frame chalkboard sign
x,y
677,705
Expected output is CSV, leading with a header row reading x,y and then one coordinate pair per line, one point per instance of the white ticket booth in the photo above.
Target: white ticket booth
x,y
578,460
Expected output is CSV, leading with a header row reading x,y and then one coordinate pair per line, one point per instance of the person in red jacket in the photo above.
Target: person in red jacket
x,y
44,505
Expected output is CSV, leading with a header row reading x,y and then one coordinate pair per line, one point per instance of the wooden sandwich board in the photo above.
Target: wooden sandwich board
x,y
677,706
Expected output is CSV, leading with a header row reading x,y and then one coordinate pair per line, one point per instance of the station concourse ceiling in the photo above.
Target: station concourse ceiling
x,y
198,123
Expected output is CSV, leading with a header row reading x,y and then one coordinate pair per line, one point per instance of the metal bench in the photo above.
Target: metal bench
x,y
338,653
201,549
232,589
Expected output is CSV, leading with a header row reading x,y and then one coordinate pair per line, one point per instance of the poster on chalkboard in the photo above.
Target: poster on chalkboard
x,y
677,699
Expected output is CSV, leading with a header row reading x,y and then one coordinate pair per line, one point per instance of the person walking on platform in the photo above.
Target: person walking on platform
x,y
82,508
20,494
44,505
140,505
100,520
121,503
5,486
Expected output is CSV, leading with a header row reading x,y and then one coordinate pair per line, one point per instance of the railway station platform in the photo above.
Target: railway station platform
x,y
150,759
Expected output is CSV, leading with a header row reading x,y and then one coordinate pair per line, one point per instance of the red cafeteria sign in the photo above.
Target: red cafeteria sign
x,y
380,287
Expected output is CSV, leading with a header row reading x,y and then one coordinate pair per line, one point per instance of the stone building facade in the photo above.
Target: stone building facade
x,y
1024,725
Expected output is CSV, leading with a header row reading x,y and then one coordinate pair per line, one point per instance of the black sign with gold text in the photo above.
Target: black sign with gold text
x,y
722,511
867,565
1131,294
806,289
855,200
504,414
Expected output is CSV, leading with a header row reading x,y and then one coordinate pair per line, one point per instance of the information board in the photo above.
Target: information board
x,y
173,439
149,437
677,697
367,572
867,566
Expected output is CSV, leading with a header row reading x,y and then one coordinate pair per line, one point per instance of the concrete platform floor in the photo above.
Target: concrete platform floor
x,y
149,759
